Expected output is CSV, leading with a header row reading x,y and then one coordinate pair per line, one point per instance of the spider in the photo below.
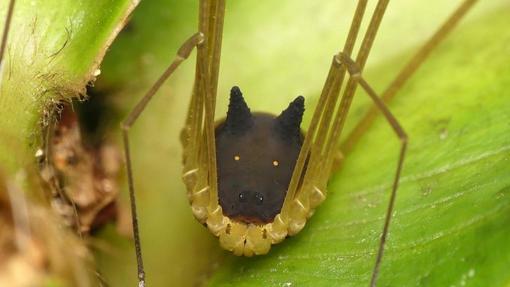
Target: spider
x,y
242,221
253,179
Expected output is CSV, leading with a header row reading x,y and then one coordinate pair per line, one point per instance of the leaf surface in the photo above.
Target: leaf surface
x,y
452,208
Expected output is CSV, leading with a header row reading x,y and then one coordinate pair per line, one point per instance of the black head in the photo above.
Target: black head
x,y
256,154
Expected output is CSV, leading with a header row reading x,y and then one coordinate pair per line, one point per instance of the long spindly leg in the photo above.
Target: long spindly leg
x,y
308,184
407,72
321,118
199,145
182,54
355,73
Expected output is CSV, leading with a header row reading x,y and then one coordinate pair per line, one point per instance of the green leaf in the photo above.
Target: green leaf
x,y
53,52
453,208
451,216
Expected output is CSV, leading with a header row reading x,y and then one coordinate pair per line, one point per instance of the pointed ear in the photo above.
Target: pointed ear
x,y
289,121
239,117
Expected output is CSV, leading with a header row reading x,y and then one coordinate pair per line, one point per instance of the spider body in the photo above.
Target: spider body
x,y
256,154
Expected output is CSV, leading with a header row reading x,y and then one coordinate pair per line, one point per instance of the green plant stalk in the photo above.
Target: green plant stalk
x,y
54,50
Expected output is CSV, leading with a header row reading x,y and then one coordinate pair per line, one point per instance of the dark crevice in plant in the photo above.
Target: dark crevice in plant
x,y
97,115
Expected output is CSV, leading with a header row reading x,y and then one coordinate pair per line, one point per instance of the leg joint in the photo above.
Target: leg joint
x,y
124,126
186,48
352,67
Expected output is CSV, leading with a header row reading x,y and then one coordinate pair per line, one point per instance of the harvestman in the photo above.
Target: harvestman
x,y
250,233
307,186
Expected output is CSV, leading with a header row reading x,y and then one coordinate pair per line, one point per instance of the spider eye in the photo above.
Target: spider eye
x,y
242,196
259,198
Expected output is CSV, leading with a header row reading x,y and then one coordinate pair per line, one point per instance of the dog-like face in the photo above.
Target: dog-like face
x,y
256,154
